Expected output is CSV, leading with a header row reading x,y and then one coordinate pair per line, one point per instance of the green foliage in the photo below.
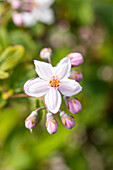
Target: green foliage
x,y
10,57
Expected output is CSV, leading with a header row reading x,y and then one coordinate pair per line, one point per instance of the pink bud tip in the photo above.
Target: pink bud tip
x,y
76,75
31,121
73,105
67,120
51,124
76,59
16,4
18,19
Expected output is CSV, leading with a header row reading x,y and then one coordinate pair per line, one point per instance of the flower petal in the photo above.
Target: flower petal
x,y
45,3
44,70
53,100
36,87
62,70
29,18
45,15
69,87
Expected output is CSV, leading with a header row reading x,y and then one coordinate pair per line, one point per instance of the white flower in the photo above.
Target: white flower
x,y
37,10
52,81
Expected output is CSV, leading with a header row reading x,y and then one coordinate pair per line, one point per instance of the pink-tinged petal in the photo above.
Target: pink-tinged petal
x,y
62,70
36,87
44,3
53,100
29,18
18,19
16,4
69,87
27,83
44,70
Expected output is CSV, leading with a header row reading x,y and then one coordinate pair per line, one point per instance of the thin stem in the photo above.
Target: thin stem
x,y
42,98
41,108
19,96
49,60
25,95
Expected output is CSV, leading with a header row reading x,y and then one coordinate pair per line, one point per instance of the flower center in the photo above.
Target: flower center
x,y
54,82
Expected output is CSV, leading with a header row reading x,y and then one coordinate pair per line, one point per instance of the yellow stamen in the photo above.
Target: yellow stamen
x,y
54,82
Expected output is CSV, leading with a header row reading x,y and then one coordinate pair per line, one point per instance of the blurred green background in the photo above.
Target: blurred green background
x,y
84,26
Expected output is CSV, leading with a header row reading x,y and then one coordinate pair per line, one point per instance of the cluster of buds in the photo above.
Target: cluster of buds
x,y
51,86
76,60
51,123
28,12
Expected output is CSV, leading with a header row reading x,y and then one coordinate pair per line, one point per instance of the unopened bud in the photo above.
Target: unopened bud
x,y
31,121
67,120
51,124
46,53
76,75
18,19
76,59
16,4
73,105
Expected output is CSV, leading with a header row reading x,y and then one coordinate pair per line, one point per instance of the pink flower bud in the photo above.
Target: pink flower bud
x,y
16,4
67,120
76,59
51,124
76,75
73,105
18,19
45,53
31,121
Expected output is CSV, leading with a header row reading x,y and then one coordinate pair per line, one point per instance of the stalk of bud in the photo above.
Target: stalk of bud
x,y
46,53
31,121
76,59
73,105
67,120
76,75
51,124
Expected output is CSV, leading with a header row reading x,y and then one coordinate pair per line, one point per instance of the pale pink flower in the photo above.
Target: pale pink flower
x,y
52,81
51,124
36,10
67,120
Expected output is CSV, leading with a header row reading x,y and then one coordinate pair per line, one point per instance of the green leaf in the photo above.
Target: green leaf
x,y
41,113
2,103
25,39
4,40
10,57
4,75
